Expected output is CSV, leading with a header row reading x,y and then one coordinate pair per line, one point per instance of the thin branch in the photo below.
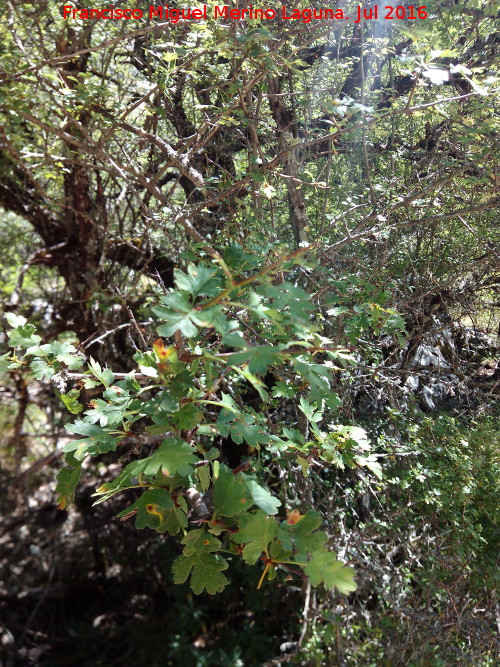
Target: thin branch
x,y
367,122
111,332
176,159
360,232
91,49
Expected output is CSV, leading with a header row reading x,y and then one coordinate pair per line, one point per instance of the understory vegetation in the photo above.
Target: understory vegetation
x,y
249,339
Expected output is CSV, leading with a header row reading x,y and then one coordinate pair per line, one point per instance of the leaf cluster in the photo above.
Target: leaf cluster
x,y
223,335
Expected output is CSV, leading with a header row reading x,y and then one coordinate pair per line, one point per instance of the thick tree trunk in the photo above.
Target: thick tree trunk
x,y
285,121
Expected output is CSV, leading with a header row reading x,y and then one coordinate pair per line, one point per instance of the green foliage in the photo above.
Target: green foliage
x,y
256,532
157,510
231,495
325,568
22,334
171,458
392,169
176,394
199,561
242,427
437,512
96,441
70,401
67,480
456,483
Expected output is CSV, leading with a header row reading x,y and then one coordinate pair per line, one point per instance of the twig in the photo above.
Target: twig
x,y
17,440
305,613
112,331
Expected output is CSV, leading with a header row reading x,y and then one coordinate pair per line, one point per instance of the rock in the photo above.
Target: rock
x,y
426,356
438,391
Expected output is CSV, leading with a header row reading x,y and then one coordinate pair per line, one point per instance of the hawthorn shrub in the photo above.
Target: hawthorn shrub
x,y
239,350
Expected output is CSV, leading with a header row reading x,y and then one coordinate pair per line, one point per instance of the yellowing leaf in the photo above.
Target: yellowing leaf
x,y
293,517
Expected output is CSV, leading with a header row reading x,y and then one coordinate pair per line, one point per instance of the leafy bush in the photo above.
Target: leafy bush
x,y
241,346
429,548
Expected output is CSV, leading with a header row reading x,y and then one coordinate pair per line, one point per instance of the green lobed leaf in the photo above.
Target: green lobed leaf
x,y
212,454
234,339
181,384
66,354
256,531
4,363
288,297
199,280
174,456
301,537
278,552
89,383
242,427
262,497
283,390
105,376
316,375
212,317
371,463
177,313
198,561
231,494
312,412
176,322
96,441
70,400
41,370
203,473
240,260
156,510
187,417
205,569
23,336
67,479
325,568
15,320
258,358
175,521
123,481
256,383
332,400
199,540
107,414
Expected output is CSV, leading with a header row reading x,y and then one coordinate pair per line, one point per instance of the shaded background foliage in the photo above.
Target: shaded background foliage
x,y
155,145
